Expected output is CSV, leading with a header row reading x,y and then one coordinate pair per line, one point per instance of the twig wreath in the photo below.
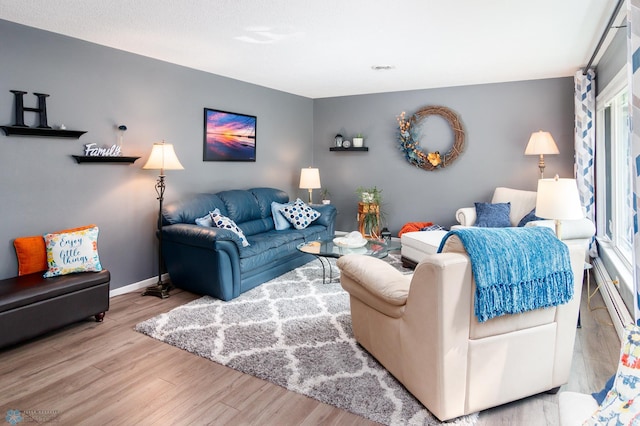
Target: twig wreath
x,y
411,147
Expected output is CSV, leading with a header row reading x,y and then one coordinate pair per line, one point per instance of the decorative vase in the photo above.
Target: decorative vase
x,y
358,142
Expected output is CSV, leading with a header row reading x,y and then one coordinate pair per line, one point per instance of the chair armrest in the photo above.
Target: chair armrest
x,y
571,229
466,216
374,282
198,236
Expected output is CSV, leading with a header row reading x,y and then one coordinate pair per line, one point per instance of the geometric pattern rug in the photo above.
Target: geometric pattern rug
x,y
295,331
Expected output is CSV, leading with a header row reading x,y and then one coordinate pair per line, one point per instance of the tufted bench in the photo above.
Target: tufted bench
x,y
31,305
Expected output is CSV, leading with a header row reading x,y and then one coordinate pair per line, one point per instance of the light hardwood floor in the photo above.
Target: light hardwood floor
x,y
103,374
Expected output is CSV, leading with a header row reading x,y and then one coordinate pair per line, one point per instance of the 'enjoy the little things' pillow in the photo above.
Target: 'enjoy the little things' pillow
x,y
299,214
70,252
220,221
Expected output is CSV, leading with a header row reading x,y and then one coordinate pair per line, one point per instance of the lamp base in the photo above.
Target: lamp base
x,y
159,290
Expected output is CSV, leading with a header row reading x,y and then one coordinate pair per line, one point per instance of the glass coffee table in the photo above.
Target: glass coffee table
x,y
326,248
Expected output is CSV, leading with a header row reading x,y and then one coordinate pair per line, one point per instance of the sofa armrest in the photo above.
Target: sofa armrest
x,y
327,217
466,216
198,236
579,229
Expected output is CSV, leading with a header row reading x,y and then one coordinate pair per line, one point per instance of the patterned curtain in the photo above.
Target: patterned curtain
x,y
585,142
633,65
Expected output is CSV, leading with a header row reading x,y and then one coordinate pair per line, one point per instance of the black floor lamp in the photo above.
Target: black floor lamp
x,y
162,158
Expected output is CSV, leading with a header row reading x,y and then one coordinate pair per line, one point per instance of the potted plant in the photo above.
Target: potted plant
x,y
369,215
358,140
326,196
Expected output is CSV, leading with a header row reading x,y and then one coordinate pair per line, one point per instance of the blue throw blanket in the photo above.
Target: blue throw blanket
x,y
516,269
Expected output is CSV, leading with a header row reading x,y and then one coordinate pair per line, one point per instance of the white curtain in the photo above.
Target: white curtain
x,y
633,65
585,142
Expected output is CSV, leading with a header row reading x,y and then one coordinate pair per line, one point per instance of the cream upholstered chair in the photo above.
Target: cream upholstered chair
x,y
522,202
423,330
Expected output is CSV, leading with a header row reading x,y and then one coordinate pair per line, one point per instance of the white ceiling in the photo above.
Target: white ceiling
x,y
325,48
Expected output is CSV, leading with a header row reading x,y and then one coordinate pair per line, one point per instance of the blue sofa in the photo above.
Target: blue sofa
x,y
212,261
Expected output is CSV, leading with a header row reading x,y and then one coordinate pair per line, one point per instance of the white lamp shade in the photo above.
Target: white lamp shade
x,y
163,157
541,143
558,199
310,178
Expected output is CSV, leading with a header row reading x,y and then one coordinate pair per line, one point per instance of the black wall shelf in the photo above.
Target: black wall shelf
x,y
35,131
339,148
98,159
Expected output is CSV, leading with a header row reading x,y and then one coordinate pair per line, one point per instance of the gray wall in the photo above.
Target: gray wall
x,y
95,88
613,59
498,120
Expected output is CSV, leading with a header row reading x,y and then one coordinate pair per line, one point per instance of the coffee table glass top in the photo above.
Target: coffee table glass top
x,y
327,248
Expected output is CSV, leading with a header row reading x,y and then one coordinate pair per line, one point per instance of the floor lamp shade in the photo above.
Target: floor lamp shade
x,y
163,157
310,179
541,143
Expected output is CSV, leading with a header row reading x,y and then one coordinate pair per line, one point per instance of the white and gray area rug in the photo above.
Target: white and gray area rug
x,y
295,331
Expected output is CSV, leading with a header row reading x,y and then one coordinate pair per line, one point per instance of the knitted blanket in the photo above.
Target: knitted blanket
x,y
516,269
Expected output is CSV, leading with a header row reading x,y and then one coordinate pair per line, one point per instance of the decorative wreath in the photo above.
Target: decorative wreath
x,y
411,147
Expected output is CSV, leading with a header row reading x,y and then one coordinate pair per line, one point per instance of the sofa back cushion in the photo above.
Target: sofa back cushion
x,y
190,209
241,205
522,202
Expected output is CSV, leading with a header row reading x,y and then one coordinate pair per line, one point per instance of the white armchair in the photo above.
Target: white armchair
x,y
522,202
423,330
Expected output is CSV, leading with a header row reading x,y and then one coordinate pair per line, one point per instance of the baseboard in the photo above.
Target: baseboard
x,y
136,286
618,312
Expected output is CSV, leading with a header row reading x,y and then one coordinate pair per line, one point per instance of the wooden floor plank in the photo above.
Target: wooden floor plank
x,y
107,373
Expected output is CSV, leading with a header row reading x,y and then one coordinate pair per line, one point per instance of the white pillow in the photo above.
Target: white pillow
x,y
280,222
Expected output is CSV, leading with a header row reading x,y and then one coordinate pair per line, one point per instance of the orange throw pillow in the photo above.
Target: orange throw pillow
x,y
32,252
413,226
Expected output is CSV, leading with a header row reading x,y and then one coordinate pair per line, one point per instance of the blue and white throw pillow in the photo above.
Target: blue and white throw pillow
x,y
280,222
299,214
223,222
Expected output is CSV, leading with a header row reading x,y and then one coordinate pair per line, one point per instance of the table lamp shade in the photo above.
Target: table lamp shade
x,y
310,178
541,143
558,199
163,157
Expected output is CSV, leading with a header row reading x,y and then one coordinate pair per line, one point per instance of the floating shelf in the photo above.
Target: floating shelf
x,y
339,148
98,159
36,131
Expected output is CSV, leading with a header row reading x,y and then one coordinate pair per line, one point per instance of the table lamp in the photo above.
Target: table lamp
x,y
162,157
310,179
558,199
541,143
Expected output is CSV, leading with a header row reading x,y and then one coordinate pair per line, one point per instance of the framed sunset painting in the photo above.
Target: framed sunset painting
x,y
229,136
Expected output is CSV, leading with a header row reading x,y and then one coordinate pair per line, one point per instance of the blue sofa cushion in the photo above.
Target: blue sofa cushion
x,y
242,206
264,197
188,210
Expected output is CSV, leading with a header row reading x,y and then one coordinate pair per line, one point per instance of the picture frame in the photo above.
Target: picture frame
x,y
229,136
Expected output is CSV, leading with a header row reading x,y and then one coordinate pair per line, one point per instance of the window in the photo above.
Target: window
x,y
614,187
